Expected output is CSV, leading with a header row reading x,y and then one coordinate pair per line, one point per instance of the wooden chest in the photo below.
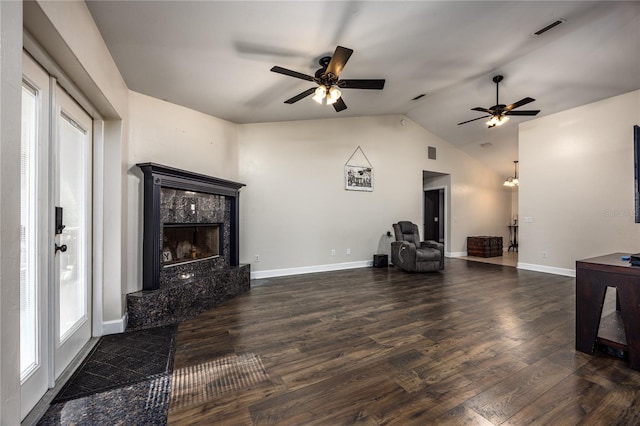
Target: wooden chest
x,y
483,246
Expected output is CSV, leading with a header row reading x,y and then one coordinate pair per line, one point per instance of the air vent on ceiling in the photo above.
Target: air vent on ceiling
x,y
550,26
419,96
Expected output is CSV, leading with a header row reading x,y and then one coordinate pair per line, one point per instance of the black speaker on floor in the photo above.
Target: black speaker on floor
x,y
380,260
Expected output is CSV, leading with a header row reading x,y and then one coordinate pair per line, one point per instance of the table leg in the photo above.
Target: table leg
x,y
590,294
629,298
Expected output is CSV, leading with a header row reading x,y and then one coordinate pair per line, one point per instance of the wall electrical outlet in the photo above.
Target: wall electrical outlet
x,y
333,252
528,219
348,252
257,259
545,254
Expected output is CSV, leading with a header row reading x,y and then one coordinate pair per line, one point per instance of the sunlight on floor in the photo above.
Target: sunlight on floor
x,y
204,382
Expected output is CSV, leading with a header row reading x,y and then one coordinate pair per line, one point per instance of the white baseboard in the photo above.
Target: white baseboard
x,y
455,254
115,326
310,269
547,269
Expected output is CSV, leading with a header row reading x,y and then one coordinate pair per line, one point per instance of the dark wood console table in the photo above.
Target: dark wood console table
x,y
593,276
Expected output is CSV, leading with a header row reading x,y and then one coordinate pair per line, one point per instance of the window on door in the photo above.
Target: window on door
x,y
29,301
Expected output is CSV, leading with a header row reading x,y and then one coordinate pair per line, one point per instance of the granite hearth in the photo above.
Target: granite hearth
x,y
190,247
186,297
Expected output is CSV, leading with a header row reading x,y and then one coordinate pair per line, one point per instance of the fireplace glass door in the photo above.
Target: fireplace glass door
x,y
183,243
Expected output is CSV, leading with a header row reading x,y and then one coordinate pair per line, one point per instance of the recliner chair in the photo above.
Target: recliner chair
x,y
412,255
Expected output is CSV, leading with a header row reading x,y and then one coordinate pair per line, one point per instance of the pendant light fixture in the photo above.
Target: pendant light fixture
x,y
513,181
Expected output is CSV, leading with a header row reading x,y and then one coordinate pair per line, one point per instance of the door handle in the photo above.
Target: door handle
x,y
59,225
61,248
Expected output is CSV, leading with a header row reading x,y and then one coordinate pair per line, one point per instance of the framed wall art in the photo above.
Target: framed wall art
x,y
358,172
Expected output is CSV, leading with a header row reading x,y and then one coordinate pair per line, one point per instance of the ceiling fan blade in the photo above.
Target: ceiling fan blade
x,y
361,84
339,105
519,103
469,121
338,60
290,73
302,95
529,112
488,111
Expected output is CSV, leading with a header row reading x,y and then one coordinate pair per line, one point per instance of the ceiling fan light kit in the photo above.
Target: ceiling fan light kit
x,y
320,94
330,97
497,121
328,80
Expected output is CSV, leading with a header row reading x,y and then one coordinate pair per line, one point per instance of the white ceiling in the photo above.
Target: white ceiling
x,y
215,57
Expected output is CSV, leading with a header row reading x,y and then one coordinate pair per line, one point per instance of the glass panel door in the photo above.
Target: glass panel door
x,y
73,287
34,239
73,229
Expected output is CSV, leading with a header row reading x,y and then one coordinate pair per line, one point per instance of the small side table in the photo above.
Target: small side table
x,y
621,330
513,238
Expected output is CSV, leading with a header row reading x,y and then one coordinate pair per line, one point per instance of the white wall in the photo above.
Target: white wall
x,y
577,184
169,134
514,203
479,203
295,208
10,99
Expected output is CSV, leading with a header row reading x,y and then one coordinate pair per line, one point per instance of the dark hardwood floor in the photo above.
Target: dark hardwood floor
x,y
475,344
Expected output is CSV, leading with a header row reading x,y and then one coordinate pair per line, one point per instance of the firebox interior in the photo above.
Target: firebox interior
x,y
188,242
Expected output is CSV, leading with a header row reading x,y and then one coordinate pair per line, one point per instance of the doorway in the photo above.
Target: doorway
x,y
434,218
436,209
56,232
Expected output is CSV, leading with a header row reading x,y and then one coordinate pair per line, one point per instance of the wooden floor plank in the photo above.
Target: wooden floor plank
x,y
474,344
504,399
565,403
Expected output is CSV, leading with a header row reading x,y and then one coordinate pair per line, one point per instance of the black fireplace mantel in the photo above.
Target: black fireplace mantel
x,y
157,176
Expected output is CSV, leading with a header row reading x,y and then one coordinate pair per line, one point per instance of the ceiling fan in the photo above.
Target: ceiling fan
x,y
328,80
500,113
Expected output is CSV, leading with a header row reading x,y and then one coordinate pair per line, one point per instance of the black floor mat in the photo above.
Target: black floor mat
x,y
122,359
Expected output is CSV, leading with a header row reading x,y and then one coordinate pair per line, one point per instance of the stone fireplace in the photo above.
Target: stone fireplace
x,y
190,246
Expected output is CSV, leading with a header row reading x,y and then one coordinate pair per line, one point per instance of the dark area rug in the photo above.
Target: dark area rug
x,y
122,359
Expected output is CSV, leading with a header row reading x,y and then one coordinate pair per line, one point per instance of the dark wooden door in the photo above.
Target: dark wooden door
x,y
433,205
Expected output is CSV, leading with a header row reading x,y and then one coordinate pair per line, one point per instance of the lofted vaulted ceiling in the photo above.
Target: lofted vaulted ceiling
x,y
215,57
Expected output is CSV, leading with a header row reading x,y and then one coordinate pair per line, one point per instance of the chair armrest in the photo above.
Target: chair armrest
x,y
403,253
435,245
432,244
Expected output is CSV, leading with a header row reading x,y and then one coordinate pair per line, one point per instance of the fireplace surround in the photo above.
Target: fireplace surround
x,y
190,251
